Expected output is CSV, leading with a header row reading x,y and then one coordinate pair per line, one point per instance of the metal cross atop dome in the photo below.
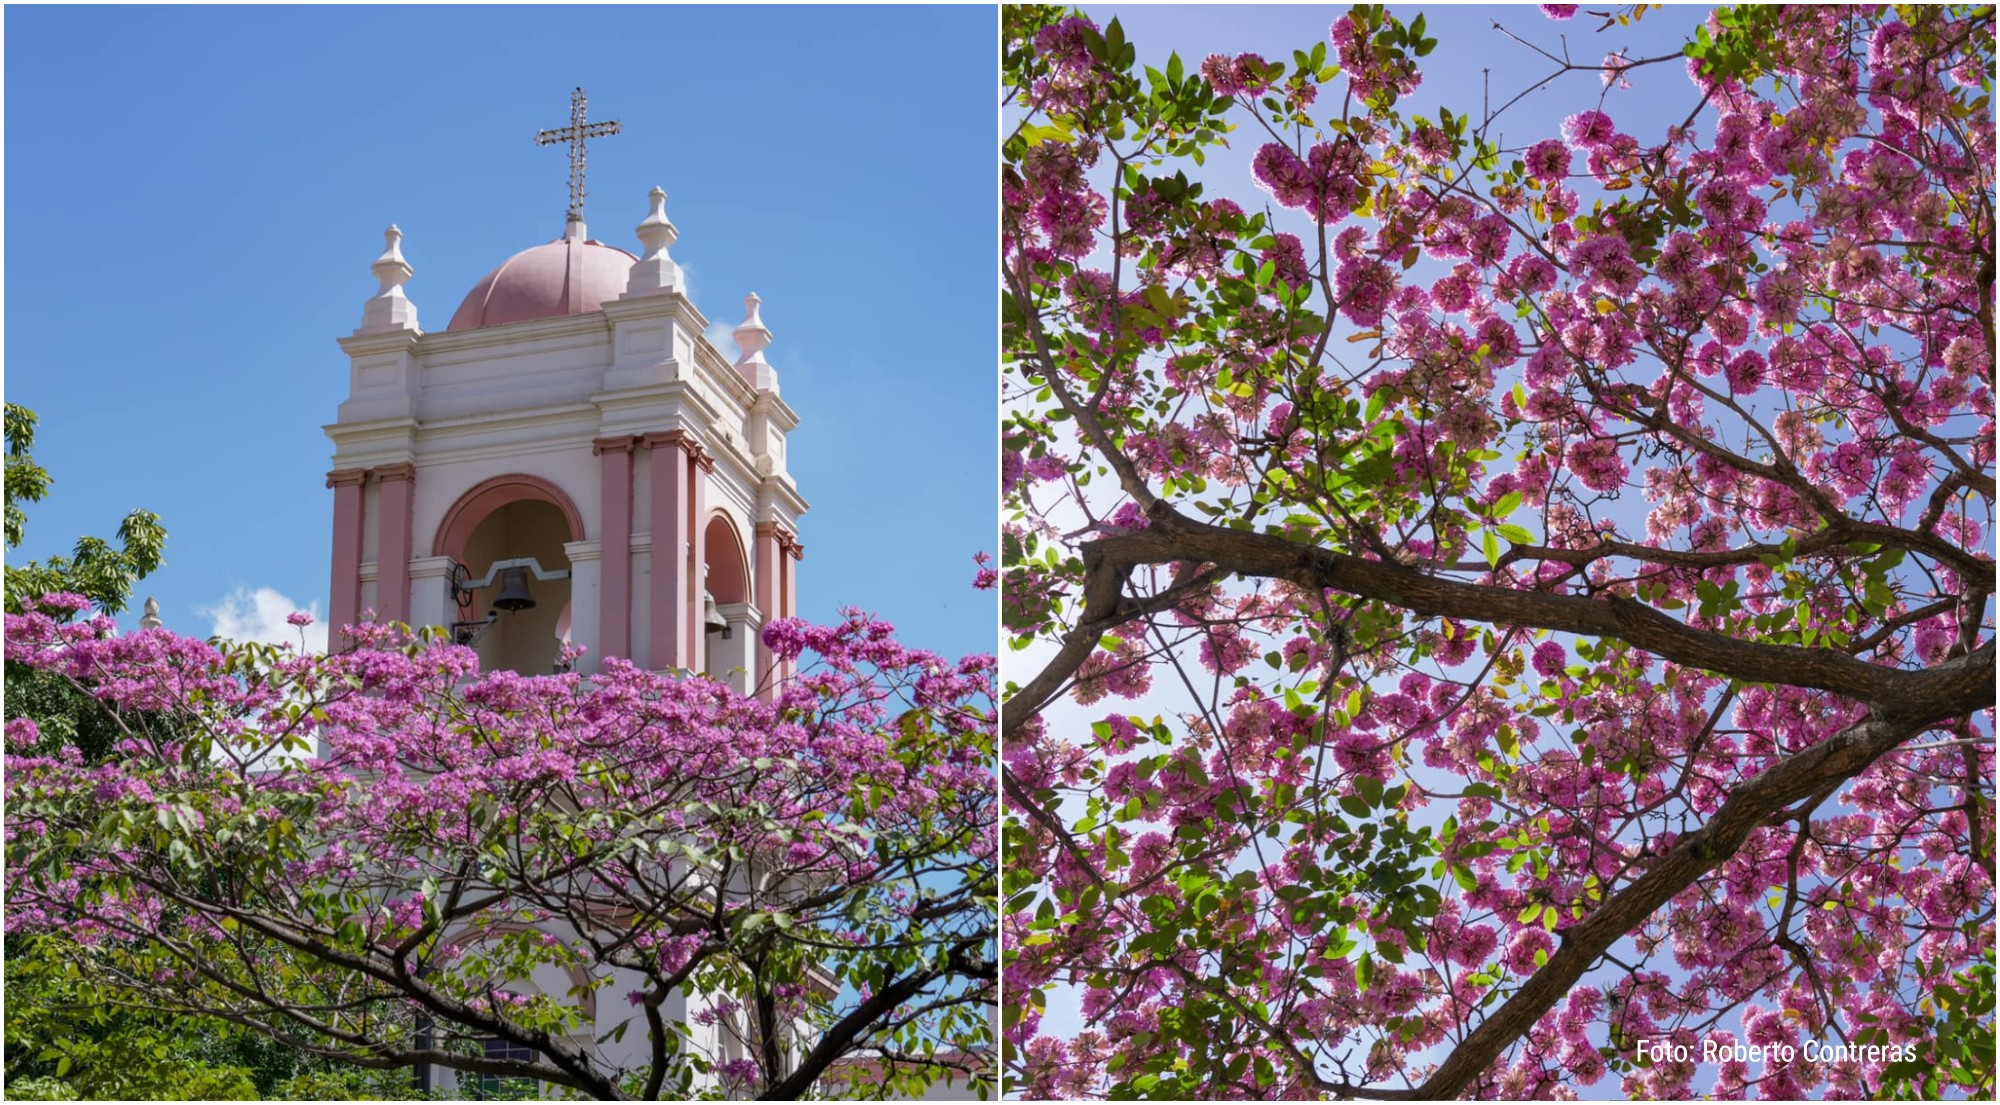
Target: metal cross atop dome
x,y
574,134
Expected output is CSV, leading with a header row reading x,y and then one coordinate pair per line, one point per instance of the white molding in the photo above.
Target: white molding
x,y
424,567
514,334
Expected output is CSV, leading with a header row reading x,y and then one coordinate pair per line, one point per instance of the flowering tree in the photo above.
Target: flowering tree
x,y
62,1040
812,873
1549,583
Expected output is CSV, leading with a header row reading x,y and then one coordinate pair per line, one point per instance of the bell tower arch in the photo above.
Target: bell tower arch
x,y
523,614
733,622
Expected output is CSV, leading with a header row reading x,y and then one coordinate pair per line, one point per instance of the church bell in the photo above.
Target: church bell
x,y
514,591
711,619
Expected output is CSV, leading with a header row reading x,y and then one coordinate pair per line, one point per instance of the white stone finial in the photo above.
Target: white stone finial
x,y
390,268
657,232
389,308
752,338
655,273
151,619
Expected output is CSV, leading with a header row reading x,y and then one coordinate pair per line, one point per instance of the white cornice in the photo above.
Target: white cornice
x,y
550,416
655,408
715,368
780,412
723,374
774,491
367,444
449,450
388,341
672,305
587,324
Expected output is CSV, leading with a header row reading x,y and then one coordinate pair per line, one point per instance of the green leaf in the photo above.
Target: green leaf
x,y
1370,788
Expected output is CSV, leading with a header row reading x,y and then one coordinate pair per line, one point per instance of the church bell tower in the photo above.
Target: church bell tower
x,y
569,460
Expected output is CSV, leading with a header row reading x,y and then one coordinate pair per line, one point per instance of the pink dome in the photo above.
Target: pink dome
x,y
568,276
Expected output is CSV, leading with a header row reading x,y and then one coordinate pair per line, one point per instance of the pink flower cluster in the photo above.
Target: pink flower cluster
x,y
1325,182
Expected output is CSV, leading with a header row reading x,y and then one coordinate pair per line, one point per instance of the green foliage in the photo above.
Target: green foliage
x,y
94,569
348,1084
1738,50
1957,1049
1736,53
66,713
26,481
67,1040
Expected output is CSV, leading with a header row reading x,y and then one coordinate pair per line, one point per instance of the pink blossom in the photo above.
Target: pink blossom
x,y
1547,161
1589,129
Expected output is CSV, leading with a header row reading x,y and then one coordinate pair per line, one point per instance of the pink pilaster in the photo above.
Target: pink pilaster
x,y
700,465
670,508
614,593
768,571
393,558
344,600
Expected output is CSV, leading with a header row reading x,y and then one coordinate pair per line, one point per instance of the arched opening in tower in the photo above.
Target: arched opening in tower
x,y
726,576
525,640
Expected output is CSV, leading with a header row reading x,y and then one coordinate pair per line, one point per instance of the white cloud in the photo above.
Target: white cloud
x,y
687,281
259,615
722,335
718,332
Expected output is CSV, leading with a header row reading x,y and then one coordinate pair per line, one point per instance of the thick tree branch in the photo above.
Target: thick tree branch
x,y
1750,805
1104,609
840,1039
1952,689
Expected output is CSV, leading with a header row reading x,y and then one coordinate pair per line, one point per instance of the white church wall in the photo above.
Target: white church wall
x,y
430,590
733,659
443,478
523,366
586,567
737,497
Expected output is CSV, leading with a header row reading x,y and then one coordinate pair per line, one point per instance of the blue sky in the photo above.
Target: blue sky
x,y
193,198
